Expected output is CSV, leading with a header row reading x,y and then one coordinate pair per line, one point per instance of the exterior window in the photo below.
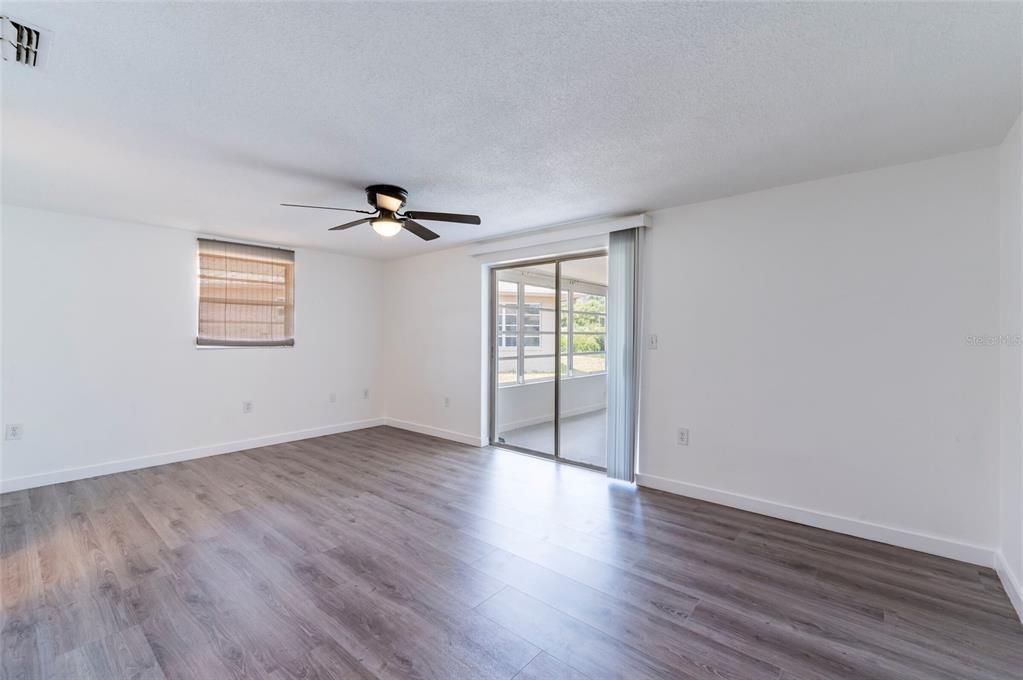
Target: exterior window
x,y
246,295
507,327
527,354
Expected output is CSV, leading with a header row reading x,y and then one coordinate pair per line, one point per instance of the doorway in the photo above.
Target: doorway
x,y
548,358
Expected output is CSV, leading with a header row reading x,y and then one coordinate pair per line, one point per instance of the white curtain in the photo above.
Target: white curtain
x,y
624,347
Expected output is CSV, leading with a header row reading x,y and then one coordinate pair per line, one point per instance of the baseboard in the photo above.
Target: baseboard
x,y
527,422
460,437
935,545
1013,586
123,465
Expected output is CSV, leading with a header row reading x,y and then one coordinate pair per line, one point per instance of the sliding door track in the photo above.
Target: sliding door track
x,y
547,456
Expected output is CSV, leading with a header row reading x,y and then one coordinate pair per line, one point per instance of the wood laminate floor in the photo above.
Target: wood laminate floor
x,y
387,554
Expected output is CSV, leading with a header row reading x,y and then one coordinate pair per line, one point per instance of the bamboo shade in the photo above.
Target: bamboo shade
x,y
246,295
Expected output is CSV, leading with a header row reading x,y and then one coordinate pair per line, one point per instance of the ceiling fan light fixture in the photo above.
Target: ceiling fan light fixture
x,y
386,226
387,200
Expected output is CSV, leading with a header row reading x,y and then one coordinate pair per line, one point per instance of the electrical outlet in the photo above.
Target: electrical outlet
x,y
683,436
247,407
447,402
13,431
333,398
365,393
652,341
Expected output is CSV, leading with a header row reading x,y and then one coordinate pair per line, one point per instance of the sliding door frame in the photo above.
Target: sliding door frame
x,y
493,363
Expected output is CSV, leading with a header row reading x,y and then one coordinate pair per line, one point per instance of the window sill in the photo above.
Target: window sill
x,y
214,347
550,380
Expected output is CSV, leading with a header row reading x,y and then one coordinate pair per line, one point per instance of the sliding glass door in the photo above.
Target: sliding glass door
x,y
548,367
526,349
582,393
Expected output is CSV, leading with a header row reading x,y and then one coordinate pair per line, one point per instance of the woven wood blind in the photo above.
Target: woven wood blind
x,y
246,295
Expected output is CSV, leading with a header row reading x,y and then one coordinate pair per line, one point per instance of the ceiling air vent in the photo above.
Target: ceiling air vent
x,y
21,43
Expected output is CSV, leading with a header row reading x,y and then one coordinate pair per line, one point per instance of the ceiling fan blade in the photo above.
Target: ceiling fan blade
x,y
325,207
443,217
419,230
349,225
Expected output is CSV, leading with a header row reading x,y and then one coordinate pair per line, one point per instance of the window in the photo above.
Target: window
x,y
584,330
246,295
507,327
526,354
531,325
507,316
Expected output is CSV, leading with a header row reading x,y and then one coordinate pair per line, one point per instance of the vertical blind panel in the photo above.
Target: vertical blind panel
x,y
623,351
246,295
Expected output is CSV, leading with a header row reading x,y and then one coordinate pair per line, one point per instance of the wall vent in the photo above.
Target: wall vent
x,y
21,43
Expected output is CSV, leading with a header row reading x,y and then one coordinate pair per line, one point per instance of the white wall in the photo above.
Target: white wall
x,y
100,364
1011,474
433,345
814,340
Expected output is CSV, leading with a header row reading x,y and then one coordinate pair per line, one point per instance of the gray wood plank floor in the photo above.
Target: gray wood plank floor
x,y
387,554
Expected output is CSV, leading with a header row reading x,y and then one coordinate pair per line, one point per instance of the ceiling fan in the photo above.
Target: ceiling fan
x,y
385,218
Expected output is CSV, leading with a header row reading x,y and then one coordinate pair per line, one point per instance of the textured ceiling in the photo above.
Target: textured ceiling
x,y
205,116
